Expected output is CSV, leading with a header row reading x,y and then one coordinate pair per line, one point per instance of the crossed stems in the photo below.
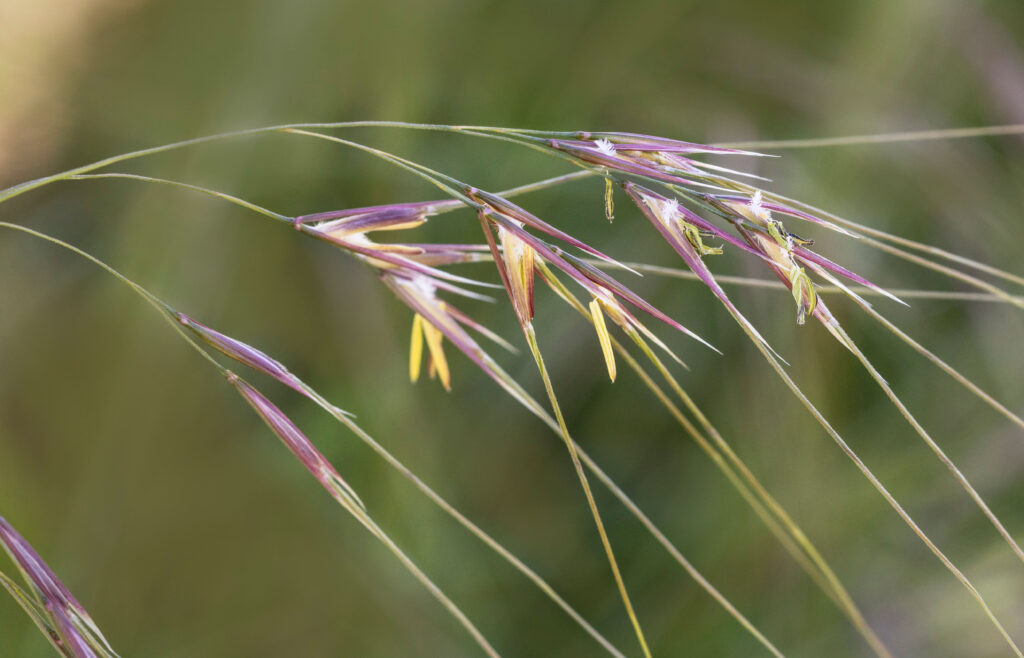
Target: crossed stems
x,y
504,134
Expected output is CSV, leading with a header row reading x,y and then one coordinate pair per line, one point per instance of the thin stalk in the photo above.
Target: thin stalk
x,y
835,586
444,182
546,183
168,314
773,284
429,584
948,369
879,138
789,534
514,389
877,484
447,507
656,532
531,339
28,186
248,205
455,187
164,310
884,385
942,253
524,398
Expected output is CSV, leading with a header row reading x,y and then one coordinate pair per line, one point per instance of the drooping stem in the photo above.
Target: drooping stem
x,y
449,509
432,588
948,369
20,189
746,483
509,384
877,484
529,138
531,339
834,586
930,442
169,315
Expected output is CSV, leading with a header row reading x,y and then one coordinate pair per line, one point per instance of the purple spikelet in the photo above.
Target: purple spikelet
x,y
296,441
68,618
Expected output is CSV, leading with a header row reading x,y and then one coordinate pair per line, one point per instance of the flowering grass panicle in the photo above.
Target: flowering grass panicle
x,y
702,211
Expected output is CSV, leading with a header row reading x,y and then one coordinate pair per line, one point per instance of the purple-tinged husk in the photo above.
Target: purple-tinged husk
x,y
295,440
654,207
67,616
242,353
388,214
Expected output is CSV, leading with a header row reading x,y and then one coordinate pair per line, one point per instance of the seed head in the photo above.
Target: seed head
x,y
662,159
296,442
242,353
77,631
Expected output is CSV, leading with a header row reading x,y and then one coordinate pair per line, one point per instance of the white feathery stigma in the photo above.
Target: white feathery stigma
x,y
757,206
424,284
668,210
605,147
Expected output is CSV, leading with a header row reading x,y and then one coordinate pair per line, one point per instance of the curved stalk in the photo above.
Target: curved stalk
x,y
880,138
432,176
785,529
531,339
520,395
930,442
455,188
877,484
168,314
524,137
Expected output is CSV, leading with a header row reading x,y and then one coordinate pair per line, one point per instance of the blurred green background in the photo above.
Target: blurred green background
x,y
187,530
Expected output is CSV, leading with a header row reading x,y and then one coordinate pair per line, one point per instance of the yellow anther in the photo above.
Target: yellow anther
x,y
416,348
603,337
438,363
423,330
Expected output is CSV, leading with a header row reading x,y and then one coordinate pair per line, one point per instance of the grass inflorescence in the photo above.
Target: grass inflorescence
x,y
703,211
